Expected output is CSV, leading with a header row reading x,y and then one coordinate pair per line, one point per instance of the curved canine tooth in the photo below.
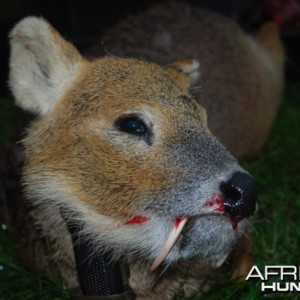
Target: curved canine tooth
x,y
171,239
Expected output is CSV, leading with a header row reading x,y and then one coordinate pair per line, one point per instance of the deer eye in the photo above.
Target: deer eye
x,y
132,125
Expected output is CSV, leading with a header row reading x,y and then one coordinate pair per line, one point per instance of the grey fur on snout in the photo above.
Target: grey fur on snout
x,y
200,164
209,238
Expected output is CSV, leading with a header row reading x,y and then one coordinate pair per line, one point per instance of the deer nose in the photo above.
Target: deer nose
x,y
240,195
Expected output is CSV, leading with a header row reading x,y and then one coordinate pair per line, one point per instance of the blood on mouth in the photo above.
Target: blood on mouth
x,y
139,219
234,222
216,202
177,228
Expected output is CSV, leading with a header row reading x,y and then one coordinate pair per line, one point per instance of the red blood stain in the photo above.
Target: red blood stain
x,y
178,220
137,220
234,222
216,201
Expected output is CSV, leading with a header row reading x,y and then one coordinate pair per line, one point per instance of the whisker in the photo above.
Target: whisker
x,y
163,271
195,88
252,227
107,52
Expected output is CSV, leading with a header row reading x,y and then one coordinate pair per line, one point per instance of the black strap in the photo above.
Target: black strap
x,y
127,295
97,276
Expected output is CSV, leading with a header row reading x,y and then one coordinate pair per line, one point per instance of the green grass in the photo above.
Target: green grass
x,y
16,283
277,233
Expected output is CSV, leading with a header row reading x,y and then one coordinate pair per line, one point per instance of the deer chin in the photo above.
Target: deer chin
x,y
210,238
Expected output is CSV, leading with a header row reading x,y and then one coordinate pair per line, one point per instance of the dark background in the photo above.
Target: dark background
x,y
82,22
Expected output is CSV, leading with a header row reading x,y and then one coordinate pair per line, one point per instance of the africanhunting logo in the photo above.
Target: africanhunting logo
x,y
277,278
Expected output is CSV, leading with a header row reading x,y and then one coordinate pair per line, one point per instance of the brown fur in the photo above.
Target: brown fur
x,y
238,77
78,162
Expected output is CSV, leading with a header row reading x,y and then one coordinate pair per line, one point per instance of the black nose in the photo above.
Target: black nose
x,y
240,195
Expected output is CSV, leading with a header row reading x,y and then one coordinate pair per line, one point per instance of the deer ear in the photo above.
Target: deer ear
x,y
42,65
184,72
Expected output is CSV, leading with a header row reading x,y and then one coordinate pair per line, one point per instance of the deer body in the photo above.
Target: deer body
x,y
118,138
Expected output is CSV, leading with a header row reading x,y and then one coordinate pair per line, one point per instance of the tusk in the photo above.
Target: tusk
x,y
168,245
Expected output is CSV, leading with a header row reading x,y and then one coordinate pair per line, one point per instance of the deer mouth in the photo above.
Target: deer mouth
x,y
213,207
179,228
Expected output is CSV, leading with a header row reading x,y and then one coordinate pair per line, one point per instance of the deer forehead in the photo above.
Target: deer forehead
x,y
109,88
